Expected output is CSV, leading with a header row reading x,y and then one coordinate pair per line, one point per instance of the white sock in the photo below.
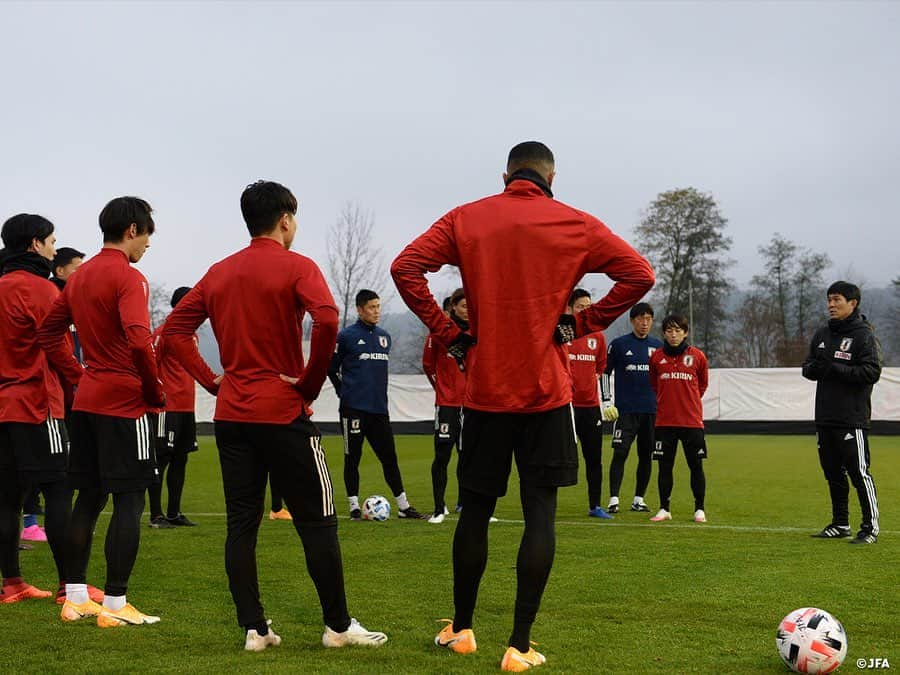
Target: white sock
x,y
114,602
613,501
402,501
638,500
77,593
354,503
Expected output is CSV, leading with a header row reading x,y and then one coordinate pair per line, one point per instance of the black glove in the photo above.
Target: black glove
x,y
459,348
565,329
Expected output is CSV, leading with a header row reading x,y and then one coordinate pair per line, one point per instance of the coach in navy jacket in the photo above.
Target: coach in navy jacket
x,y
359,373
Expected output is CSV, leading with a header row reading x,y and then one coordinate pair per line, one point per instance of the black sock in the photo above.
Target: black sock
x,y
261,627
534,561
123,538
470,549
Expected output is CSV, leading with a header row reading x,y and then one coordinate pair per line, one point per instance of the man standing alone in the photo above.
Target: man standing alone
x,y
845,362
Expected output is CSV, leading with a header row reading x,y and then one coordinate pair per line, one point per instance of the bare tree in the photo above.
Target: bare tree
x,y
354,261
793,281
754,339
682,233
160,300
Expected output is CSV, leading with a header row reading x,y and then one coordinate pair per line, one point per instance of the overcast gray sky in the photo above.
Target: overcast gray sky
x,y
786,113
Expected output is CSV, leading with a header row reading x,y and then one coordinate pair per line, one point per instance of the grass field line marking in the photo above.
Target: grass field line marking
x,y
666,526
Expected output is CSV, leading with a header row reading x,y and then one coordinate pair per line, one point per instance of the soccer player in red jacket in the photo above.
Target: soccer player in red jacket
x,y
518,389
587,360
679,375
256,300
449,384
112,440
33,439
178,427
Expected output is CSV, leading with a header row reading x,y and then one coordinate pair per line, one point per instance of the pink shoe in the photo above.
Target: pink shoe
x,y
34,533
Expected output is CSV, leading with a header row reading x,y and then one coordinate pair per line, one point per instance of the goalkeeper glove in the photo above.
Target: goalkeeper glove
x,y
459,348
610,412
565,329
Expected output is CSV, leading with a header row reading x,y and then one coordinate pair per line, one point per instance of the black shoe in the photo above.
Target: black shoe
x,y
161,523
864,538
642,508
181,520
355,514
410,513
612,508
833,531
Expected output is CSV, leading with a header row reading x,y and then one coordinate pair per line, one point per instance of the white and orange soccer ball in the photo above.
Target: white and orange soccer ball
x,y
810,640
376,507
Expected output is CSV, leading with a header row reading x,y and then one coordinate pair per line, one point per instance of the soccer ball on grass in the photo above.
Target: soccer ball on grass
x,y
377,508
810,640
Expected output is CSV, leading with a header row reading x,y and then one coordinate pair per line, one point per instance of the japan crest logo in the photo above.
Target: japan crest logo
x,y
845,343
650,351
689,360
383,341
445,428
592,343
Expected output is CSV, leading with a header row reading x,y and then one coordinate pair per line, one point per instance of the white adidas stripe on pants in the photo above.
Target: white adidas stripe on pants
x,y
867,481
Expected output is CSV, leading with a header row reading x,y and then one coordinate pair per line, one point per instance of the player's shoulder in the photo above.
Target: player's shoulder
x,y
654,342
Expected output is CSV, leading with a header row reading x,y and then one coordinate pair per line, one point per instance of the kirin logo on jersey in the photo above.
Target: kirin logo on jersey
x,y
383,341
592,343
845,344
689,360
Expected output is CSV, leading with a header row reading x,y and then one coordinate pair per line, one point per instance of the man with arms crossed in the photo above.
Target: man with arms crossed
x,y
112,439
518,390
845,362
256,300
587,358
629,359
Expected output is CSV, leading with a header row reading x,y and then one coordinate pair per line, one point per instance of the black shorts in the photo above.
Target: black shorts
x,y
178,435
543,443
693,443
38,452
447,424
115,454
289,455
631,425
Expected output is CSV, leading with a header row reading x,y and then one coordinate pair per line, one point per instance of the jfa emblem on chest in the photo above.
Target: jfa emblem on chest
x,y
592,343
383,341
650,351
689,360
845,344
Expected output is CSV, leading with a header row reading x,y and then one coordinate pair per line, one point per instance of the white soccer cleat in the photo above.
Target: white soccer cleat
x,y
257,643
699,516
660,516
436,518
354,635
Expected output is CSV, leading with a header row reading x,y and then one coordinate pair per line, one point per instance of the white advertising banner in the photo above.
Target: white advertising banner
x,y
734,394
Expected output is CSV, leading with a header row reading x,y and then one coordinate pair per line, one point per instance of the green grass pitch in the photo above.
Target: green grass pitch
x,y
625,596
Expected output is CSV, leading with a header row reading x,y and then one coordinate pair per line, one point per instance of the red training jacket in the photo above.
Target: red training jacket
x,y
679,382
30,388
448,380
256,300
107,302
177,382
520,254
587,360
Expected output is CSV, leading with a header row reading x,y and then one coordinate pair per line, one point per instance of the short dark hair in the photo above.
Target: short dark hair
x,y
364,296
576,294
677,320
529,155
118,215
19,231
848,290
457,297
445,305
263,203
179,293
65,255
640,309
